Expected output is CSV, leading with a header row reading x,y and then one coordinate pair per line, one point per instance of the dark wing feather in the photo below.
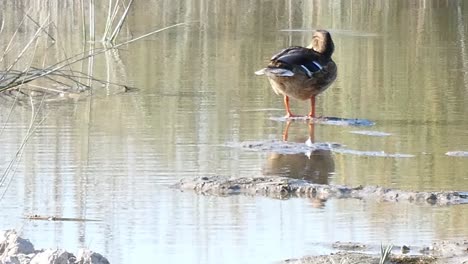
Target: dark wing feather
x,y
301,58
301,61
285,51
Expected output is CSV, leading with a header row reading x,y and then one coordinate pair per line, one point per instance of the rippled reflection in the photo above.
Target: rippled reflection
x,y
314,165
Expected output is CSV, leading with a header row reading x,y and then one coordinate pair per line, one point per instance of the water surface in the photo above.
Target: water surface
x,y
112,156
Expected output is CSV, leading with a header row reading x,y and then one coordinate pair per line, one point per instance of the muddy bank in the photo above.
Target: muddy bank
x,y
443,252
361,258
17,250
282,188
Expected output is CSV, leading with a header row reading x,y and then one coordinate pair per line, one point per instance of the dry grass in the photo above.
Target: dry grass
x,y
385,254
20,79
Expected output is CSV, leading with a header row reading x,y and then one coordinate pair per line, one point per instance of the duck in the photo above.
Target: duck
x,y
303,72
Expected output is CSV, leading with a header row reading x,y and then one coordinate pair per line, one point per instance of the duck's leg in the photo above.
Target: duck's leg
x,y
286,105
312,107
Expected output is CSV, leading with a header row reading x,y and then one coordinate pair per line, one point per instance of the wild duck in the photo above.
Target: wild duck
x,y
302,72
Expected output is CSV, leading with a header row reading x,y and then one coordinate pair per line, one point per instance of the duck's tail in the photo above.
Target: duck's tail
x,y
278,72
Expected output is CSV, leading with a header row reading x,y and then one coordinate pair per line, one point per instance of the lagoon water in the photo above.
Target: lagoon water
x,y
112,156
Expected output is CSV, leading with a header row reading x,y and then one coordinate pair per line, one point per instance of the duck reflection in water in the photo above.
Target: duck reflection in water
x,y
314,165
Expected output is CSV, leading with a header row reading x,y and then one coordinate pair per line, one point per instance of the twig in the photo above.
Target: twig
x,y
37,24
120,24
27,46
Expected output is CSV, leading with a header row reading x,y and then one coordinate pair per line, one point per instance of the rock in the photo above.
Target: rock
x,y
405,249
11,260
16,250
53,256
348,246
86,256
11,244
283,188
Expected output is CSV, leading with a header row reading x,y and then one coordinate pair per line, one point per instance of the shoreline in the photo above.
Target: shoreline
x,y
439,252
284,188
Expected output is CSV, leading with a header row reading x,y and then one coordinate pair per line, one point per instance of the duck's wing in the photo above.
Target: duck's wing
x,y
286,51
299,58
294,59
278,71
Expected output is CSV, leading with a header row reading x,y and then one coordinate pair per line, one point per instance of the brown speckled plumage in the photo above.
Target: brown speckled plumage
x,y
303,72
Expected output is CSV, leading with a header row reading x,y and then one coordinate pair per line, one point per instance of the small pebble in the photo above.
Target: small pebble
x,y
405,249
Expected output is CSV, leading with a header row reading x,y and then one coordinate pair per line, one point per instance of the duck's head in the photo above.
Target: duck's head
x,y
322,43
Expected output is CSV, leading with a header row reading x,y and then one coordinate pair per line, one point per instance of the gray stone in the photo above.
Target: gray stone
x,y
283,188
11,260
16,250
86,256
53,256
11,244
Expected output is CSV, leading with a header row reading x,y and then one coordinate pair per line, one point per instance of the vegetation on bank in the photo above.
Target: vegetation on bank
x,y
30,74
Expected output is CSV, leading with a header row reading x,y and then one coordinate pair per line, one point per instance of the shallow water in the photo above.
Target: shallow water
x,y
113,156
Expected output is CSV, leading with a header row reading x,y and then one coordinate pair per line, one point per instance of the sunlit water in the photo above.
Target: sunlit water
x,y
114,157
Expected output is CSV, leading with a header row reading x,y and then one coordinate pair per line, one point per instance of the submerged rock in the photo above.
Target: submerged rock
x,y
371,133
282,187
365,153
457,153
329,120
17,250
283,147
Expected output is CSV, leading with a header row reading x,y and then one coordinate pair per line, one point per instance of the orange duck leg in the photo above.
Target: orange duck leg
x,y
288,109
312,107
